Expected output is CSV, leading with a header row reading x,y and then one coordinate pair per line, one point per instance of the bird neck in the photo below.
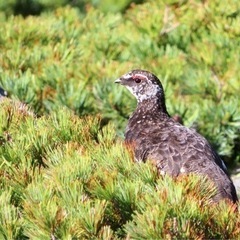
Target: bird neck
x,y
153,105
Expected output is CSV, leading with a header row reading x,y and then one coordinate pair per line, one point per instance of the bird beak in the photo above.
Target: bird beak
x,y
118,80
123,79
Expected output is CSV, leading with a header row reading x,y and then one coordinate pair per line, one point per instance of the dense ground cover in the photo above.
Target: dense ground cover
x,y
64,172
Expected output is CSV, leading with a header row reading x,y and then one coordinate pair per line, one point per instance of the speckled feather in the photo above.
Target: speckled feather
x,y
173,148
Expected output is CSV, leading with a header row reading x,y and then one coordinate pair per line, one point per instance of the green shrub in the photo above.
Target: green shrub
x,y
67,177
36,7
64,171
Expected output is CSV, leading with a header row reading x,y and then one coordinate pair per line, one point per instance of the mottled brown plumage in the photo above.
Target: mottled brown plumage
x,y
175,149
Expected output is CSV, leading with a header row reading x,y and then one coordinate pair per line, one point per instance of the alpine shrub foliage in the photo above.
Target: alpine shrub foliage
x,y
64,171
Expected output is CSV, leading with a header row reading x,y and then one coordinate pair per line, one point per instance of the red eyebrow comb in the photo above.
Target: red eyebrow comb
x,y
138,75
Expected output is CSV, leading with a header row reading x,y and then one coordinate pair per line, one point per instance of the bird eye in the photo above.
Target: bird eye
x,y
137,80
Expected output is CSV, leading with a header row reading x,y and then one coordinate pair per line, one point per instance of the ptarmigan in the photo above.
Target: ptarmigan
x,y
174,148
3,93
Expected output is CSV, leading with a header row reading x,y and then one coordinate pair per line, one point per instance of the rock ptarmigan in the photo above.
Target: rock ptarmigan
x,y
174,148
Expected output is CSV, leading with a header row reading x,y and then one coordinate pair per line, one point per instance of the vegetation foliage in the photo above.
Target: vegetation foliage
x,y
64,171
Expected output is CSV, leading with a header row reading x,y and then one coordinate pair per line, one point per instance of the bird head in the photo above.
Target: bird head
x,y
143,85
3,93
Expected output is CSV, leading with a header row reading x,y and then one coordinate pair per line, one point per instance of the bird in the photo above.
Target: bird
x,y
3,93
173,148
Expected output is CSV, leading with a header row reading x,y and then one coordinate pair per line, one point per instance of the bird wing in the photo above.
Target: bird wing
x,y
175,150
173,147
